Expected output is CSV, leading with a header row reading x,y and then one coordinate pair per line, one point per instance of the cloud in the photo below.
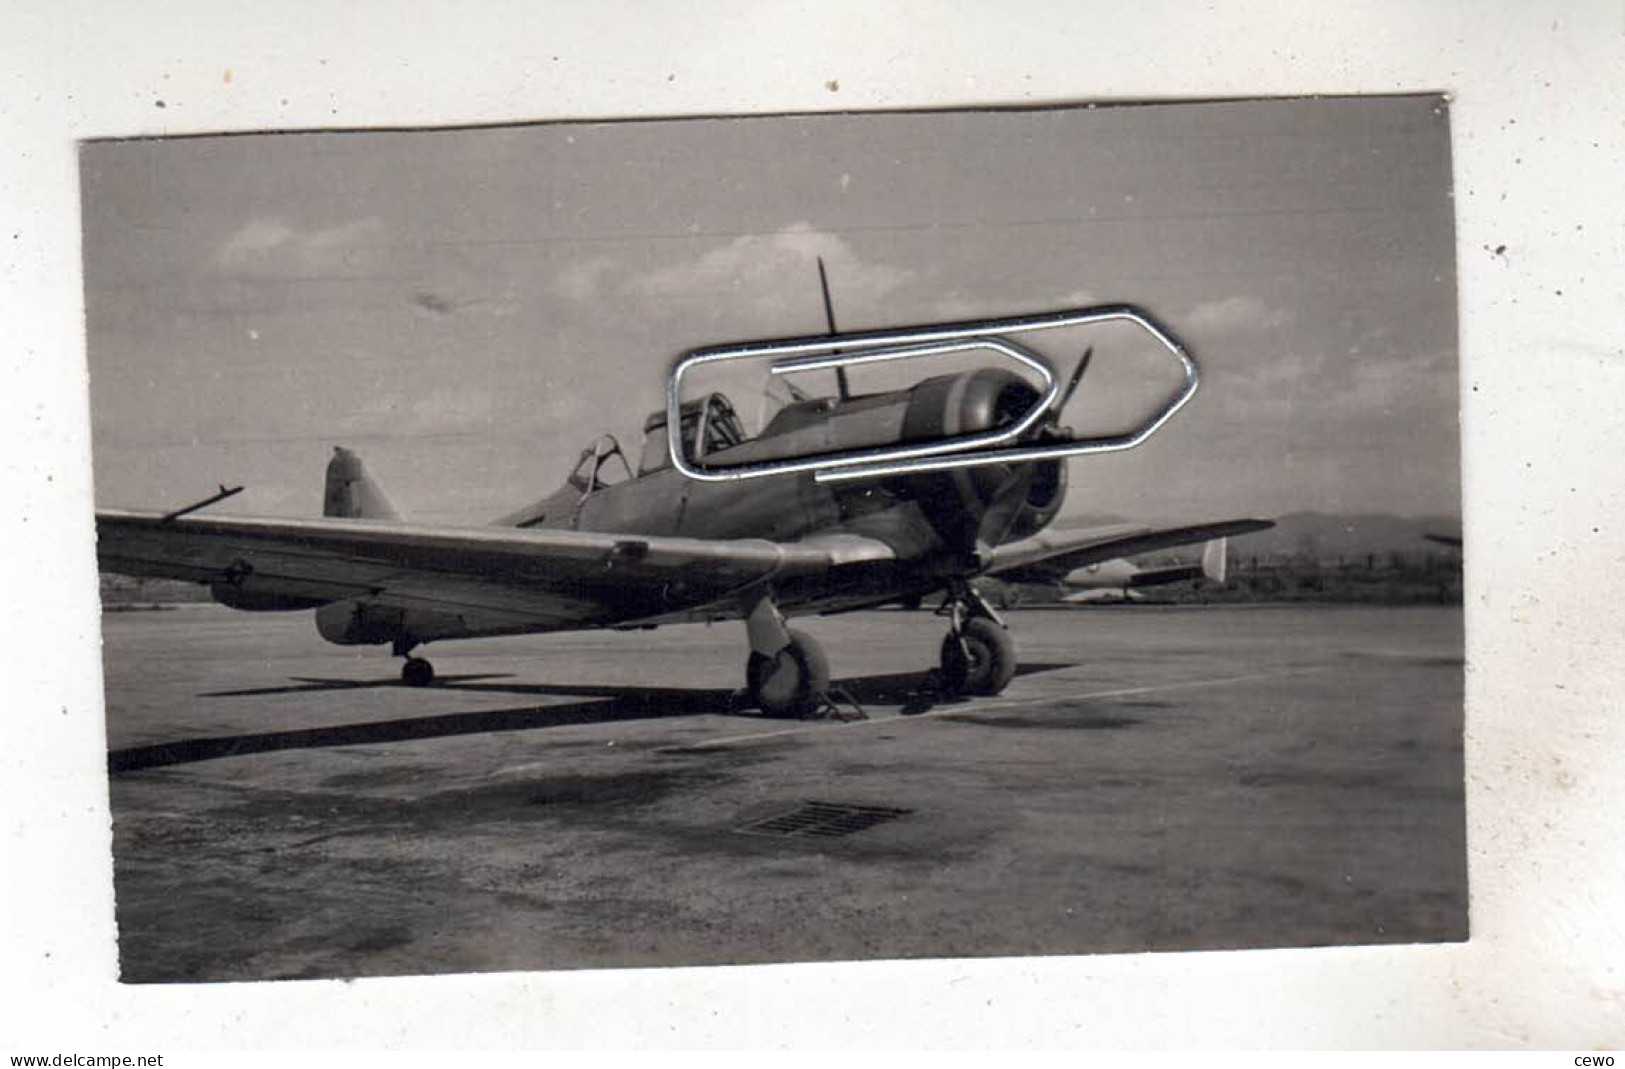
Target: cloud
x,y
585,281
1423,380
748,285
1233,314
1077,299
766,264
957,304
1332,390
260,235
773,272
274,245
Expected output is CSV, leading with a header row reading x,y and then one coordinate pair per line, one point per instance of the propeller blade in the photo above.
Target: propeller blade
x,y
1077,377
1005,507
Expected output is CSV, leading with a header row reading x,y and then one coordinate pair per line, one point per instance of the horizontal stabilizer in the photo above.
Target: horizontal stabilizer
x,y
1164,576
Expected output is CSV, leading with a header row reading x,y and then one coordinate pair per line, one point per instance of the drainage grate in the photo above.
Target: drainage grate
x,y
825,820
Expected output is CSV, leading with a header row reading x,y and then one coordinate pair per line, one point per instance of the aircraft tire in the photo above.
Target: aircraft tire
x,y
791,683
991,663
417,672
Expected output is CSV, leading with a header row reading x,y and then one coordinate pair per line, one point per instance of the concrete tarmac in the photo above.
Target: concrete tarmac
x,y
1154,779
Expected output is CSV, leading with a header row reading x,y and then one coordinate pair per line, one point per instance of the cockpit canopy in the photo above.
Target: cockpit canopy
x,y
709,426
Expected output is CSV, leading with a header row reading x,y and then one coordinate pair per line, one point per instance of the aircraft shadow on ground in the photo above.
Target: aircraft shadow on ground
x,y
606,704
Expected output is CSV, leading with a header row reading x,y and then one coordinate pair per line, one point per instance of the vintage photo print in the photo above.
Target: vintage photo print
x,y
438,638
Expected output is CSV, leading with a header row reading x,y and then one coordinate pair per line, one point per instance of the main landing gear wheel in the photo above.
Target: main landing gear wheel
x,y
417,672
792,682
980,659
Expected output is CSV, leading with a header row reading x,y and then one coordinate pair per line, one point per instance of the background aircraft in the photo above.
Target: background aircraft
x,y
615,547
1123,580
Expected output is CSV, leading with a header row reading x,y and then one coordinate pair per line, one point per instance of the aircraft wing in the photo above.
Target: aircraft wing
x,y
491,578
1046,557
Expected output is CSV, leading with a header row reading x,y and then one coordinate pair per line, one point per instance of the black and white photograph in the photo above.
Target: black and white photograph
x,y
1023,526
1082,575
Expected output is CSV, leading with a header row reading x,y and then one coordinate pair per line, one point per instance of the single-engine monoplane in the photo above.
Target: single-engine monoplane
x,y
1122,580
618,547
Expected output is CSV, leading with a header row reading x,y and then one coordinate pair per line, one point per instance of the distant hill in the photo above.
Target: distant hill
x,y
1362,559
1320,536
1324,537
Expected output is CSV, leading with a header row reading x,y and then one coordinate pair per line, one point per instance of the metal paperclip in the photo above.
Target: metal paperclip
x,y
908,343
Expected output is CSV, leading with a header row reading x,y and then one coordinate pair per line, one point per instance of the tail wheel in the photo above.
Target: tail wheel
x,y
980,660
792,682
417,672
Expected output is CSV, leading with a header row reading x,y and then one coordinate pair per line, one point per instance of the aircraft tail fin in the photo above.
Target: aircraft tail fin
x,y
1216,560
353,494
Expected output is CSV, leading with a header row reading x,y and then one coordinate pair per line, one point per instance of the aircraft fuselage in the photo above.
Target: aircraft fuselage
x,y
919,517
936,525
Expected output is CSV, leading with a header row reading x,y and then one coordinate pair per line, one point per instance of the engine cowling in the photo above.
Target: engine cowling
x,y
956,499
1045,495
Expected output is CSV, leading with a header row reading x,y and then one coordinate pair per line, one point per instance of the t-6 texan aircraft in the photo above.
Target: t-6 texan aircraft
x,y
1123,580
698,540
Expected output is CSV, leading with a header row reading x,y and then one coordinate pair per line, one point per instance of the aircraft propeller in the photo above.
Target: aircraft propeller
x,y
1011,496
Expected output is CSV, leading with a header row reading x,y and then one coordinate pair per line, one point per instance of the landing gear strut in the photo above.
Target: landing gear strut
x,y
416,672
978,654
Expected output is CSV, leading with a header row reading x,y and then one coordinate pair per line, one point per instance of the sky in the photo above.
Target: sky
x,y
468,308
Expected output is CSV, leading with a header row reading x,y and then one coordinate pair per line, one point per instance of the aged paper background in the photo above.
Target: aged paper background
x,y
1537,120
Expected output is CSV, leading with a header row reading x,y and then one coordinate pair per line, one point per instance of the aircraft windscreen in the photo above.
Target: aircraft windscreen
x,y
602,464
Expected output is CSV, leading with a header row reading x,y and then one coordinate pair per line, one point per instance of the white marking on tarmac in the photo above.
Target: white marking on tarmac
x,y
948,710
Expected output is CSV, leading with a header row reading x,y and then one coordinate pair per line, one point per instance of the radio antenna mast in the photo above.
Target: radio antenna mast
x,y
841,384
